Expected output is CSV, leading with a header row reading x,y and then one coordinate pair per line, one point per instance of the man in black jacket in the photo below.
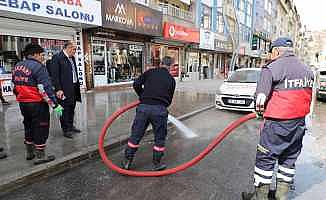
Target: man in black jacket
x,y
63,70
155,89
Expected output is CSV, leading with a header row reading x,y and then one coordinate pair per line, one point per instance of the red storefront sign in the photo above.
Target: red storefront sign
x,y
176,32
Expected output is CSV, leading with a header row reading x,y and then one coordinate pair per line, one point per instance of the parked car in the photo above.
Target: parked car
x,y
321,83
238,90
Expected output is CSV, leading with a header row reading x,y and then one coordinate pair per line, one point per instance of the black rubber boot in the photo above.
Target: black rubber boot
x,y
126,163
29,151
260,193
157,165
41,157
3,155
282,190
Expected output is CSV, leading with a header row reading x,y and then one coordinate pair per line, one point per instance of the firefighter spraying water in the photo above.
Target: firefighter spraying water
x,y
283,99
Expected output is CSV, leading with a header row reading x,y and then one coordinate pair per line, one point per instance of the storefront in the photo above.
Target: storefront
x,y
207,54
120,50
214,54
50,24
176,44
174,52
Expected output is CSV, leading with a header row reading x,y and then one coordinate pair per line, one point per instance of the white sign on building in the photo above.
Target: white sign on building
x,y
80,11
80,59
207,39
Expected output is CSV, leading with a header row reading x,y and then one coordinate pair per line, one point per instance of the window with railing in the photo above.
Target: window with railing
x,y
175,11
220,22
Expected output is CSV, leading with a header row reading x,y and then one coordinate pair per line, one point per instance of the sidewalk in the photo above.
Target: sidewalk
x,y
90,116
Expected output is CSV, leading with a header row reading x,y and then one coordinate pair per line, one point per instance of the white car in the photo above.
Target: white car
x,y
237,92
321,83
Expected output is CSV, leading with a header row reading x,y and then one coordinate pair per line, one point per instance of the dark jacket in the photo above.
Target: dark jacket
x,y
155,87
288,85
61,76
31,83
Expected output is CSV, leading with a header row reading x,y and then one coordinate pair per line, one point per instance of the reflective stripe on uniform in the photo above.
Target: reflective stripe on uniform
x,y
133,145
259,180
286,170
156,148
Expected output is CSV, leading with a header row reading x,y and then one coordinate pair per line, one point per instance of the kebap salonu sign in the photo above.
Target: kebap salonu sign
x,y
80,11
127,16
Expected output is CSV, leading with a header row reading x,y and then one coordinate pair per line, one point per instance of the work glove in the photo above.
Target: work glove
x,y
260,105
259,115
58,110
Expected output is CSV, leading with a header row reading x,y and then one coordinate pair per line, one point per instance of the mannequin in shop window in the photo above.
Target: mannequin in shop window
x,y
126,66
132,60
114,74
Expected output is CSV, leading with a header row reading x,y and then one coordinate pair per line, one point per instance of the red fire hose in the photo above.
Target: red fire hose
x,y
181,167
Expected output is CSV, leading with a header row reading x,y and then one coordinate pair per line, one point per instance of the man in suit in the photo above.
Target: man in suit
x,y
63,70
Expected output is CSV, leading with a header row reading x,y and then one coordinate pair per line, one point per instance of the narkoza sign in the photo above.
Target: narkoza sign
x,y
127,16
81,11
176,32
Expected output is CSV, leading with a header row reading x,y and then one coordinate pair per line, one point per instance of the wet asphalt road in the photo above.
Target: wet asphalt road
x,y
221,176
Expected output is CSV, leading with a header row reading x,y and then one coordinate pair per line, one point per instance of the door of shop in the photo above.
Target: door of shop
x,y
99,64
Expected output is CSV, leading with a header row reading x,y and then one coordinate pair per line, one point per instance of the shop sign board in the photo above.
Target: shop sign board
x,y
128,16
80,59
80,11
181,33
207,39
6,84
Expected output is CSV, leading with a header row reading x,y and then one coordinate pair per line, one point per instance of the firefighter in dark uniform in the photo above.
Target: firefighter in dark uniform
x,y
283,96
34,93
155,89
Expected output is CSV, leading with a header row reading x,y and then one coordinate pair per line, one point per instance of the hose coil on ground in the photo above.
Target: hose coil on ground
x,y
219,138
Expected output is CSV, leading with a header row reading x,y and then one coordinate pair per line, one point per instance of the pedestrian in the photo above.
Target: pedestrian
x,y
65,80
284,95
34,93
155,89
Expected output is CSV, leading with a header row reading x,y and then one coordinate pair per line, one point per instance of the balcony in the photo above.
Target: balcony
x,y
176,12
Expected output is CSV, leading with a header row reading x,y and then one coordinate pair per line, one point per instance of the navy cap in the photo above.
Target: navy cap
x,y
281,42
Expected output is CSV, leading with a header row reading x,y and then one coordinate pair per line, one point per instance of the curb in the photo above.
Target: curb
x,y
25,177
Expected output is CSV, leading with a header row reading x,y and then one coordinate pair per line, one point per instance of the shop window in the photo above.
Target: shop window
x,y
192,62
220,23
124,61
173,53
11,48
51,47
